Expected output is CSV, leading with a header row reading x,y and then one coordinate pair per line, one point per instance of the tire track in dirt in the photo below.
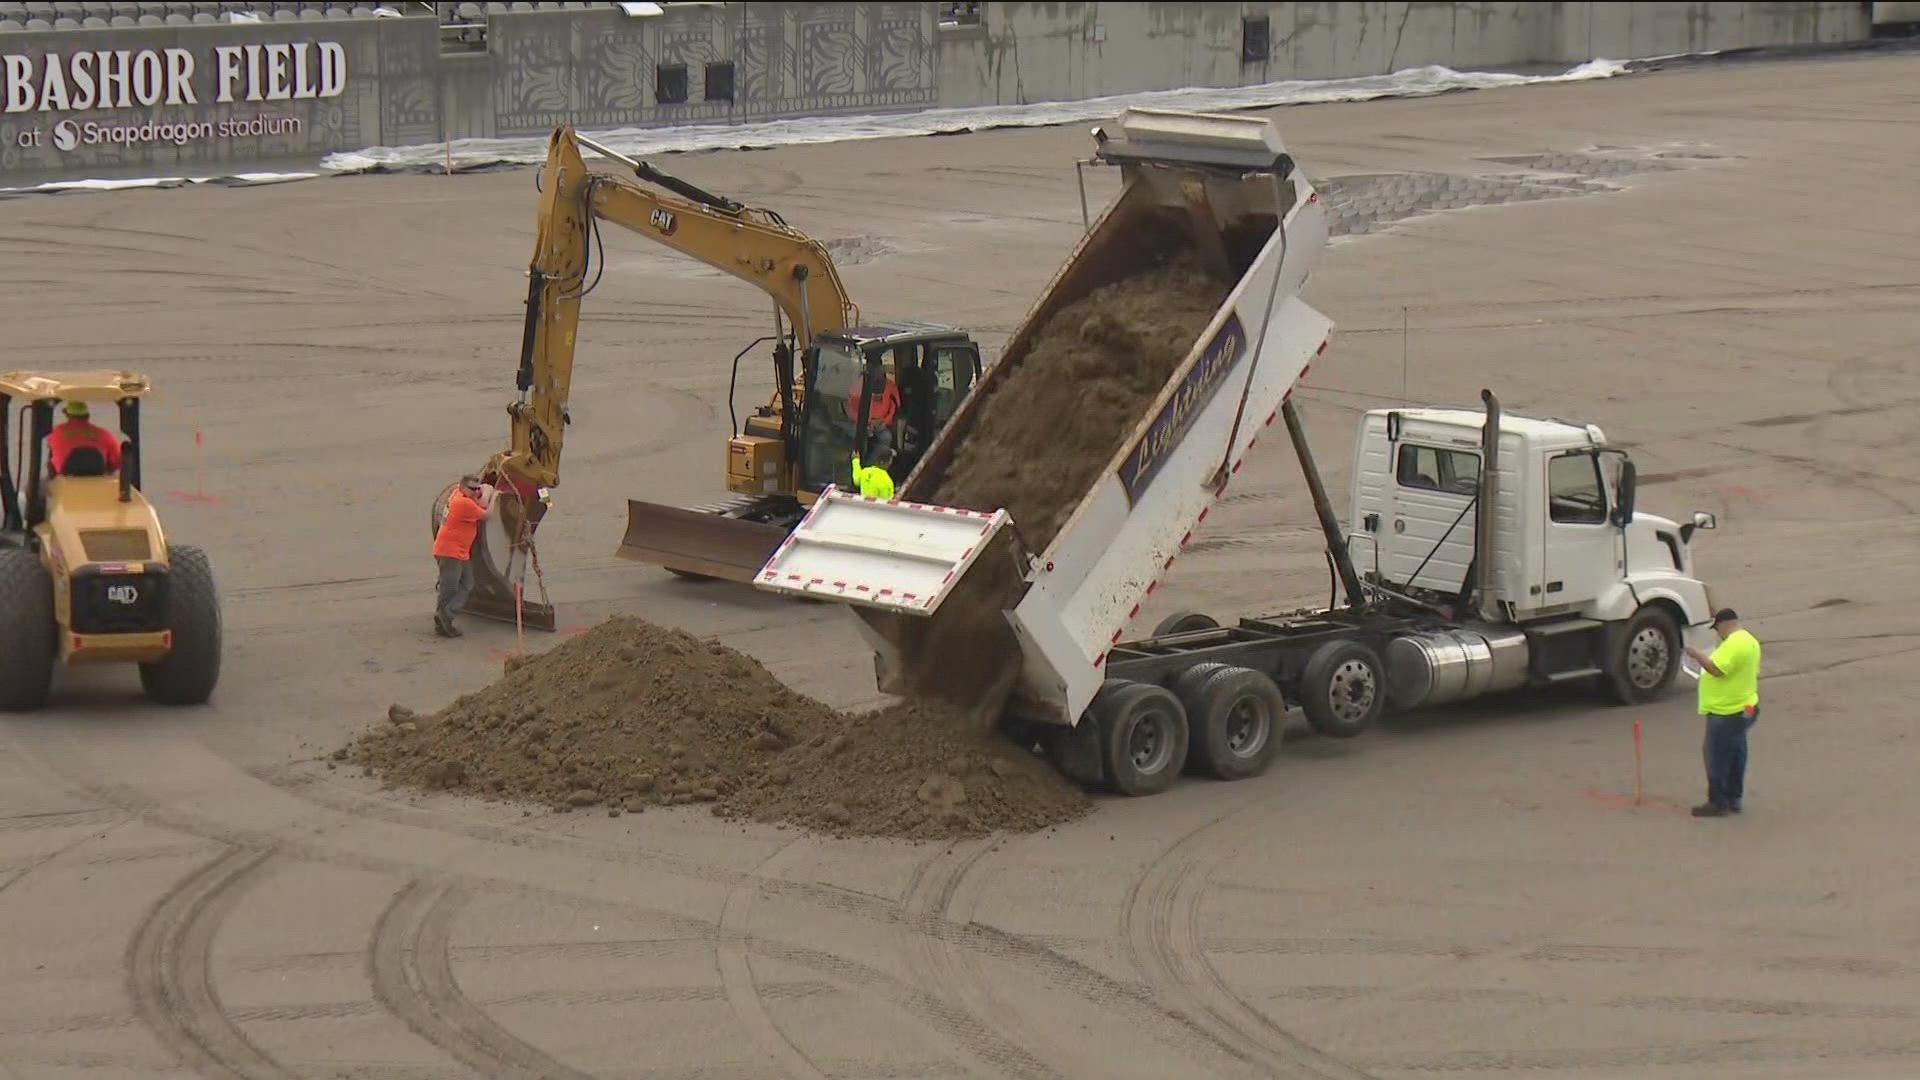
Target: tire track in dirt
x,y
1163,938
930,1007
169,970
413,978
736,972
934,960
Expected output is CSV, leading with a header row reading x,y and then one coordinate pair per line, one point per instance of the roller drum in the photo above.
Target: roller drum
x,y
1438,667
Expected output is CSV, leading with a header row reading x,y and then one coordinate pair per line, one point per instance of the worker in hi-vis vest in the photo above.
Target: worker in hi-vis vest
x,y
874,480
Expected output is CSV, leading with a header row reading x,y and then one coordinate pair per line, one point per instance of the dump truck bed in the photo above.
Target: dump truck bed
x,y
997,610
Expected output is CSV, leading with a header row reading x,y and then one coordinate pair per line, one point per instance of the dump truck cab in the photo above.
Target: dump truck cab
x,y
1568,541
86,572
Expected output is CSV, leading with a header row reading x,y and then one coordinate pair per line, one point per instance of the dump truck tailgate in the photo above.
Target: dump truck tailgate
x,y
894,556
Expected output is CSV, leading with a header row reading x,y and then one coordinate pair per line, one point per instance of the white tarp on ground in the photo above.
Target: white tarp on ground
x,y
1412,82
481,153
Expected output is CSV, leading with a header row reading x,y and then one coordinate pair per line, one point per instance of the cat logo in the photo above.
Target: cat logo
x,y
662,220
123,594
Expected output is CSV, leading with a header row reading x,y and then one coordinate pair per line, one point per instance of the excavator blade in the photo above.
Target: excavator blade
x,y
699,543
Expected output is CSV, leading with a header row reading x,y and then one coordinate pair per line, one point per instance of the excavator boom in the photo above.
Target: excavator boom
x,y
752,244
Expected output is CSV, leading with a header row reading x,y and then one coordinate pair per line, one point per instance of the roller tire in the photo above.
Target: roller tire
x,y
191,670
1236,727
1183,621
28,636
1343,689
1650,637
1143,737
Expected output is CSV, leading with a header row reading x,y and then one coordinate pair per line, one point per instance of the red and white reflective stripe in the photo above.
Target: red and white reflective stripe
x,y
1187,537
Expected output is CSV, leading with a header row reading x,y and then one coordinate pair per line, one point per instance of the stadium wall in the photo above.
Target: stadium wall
x,y
277,95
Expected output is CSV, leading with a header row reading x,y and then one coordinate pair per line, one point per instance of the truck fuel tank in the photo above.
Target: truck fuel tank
x,y
1437,667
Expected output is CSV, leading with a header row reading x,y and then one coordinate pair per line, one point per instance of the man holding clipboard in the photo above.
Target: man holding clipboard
x,y
1730,700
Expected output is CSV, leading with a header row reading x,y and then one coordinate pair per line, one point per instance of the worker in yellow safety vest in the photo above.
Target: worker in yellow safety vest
x,y
874,480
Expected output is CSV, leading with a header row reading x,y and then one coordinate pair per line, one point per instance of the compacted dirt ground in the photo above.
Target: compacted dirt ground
x,y
1715,264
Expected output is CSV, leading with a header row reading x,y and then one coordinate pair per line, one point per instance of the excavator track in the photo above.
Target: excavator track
x,y
729,540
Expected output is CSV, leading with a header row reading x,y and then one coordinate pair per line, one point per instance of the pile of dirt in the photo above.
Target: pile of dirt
x,y
631,715
1047,430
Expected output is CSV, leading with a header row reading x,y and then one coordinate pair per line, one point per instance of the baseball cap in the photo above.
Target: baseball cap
x,y
1725,614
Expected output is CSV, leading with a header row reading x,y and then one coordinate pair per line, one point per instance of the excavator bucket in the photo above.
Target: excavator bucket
x,y
498,565
705,542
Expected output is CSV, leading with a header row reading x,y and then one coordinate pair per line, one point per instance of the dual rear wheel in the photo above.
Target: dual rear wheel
x,y
1225,721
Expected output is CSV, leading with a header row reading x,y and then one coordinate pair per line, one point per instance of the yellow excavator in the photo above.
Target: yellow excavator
x,y
840,385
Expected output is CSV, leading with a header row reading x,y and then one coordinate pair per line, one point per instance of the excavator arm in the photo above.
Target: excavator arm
x,y
752,244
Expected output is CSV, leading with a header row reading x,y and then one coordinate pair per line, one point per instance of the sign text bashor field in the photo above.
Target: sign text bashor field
x,y
145,78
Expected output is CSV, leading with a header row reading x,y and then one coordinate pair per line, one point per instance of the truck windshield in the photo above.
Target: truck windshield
x,y
828,445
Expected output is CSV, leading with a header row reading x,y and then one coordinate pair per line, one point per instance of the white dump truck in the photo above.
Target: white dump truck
x,y
1487,553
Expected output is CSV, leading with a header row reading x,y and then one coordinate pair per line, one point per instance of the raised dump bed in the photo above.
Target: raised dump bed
x,y
1021,547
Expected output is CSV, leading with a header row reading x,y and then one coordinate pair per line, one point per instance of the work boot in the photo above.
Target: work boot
x,y
1708,809
443,626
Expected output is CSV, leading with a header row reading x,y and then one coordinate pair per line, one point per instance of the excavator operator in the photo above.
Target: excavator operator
x,y
78,432
881,410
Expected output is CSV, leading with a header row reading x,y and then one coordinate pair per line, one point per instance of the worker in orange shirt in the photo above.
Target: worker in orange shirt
x,y
881,409
78,431
467,507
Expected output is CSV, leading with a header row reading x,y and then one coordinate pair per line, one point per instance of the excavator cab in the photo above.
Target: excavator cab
x,y
886,385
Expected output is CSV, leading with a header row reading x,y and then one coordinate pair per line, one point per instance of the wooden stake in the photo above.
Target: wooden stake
x,y
520,629
1637,792
199,467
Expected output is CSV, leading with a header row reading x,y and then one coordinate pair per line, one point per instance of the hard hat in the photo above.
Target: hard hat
x,y
77,410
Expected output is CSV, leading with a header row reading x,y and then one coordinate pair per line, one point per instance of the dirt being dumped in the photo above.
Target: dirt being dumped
x,y
1041,437
1076,395
630,716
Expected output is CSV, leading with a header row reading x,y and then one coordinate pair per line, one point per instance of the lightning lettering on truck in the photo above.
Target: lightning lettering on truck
x,y
1150,452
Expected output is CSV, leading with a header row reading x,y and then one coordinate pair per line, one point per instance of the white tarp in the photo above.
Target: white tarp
x,y
635,142
480,153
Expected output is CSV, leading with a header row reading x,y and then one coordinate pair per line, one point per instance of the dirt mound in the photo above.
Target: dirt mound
x,y
631,715
1061,415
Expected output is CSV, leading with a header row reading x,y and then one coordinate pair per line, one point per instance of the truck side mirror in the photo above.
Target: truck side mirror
x,y
1701,520
1623,501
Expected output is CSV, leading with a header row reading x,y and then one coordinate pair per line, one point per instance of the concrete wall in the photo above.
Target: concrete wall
x,y
598,68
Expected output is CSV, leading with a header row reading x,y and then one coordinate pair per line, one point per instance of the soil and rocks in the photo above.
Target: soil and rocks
x,y
630,716
1077,394
1067,406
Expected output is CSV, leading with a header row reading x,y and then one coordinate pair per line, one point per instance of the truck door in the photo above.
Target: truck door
x,y
1429,540
1581,556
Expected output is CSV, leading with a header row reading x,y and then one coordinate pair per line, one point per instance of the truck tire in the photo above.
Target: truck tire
x,y
28,636
190,671
1343,689
1236,727
1186,686
1642,657
1143,737
1182,621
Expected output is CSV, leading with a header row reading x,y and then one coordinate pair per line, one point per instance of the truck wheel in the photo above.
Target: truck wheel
x,y
188,673
1143,736
1182,621
27,632
1643,657
1186,686
1236,726
1343,689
